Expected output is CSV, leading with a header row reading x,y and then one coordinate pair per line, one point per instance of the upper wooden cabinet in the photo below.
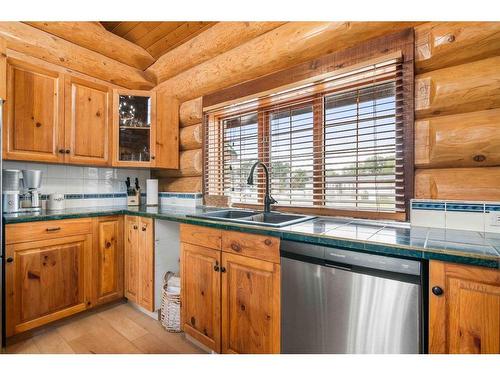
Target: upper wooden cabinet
x,y
87,129
464,303
34,113
134,128
3,69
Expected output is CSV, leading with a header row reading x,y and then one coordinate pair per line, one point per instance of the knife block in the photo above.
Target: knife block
x,y
134,199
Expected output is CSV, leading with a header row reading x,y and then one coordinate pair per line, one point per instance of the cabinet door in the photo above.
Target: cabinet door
x,y
200,294
250,305
47,280
34,115
132,258
87,122
3,69
146,264
134,128
108,259
465,318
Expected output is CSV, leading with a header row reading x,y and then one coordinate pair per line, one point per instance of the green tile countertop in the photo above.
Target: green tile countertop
x,y
371,236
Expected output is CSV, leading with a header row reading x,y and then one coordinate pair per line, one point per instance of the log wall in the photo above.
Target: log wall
x,y
457,108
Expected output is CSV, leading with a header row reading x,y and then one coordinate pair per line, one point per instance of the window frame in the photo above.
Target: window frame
x,y
402,42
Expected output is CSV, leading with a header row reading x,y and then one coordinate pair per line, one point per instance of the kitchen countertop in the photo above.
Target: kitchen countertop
x,y
380,237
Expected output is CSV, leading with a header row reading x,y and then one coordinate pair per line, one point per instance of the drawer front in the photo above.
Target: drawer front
x,y
201,236
252,245
41,230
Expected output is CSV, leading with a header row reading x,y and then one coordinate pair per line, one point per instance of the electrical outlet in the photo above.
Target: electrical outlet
x,y
495,219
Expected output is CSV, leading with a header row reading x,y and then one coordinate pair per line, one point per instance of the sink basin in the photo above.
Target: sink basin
x,y
270,219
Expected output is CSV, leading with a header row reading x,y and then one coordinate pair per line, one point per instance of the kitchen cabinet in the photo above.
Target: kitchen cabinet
x,y
201,294
250,305
139,261
134,128
34,114
87,127
464,303
108,259
230,298
49,274
3,69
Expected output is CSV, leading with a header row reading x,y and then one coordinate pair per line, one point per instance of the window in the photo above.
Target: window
x,y
337,143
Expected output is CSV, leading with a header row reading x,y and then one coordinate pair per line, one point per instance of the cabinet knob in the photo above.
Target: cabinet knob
x,y
152,158
216,267
437,291
135,227
62,151
223,269
67,151
10,260
235,247
144,228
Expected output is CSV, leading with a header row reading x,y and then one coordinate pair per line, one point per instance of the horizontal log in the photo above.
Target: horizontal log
x,y
95,37
218,39
285,46
464,140
191,137
458,183
181,185
190,165
443,44
458,89
31,41
191,112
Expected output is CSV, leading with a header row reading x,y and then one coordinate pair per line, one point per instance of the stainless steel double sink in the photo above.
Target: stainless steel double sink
x,y
270,219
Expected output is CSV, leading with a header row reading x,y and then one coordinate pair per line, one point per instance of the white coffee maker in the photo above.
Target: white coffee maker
x,y
21,190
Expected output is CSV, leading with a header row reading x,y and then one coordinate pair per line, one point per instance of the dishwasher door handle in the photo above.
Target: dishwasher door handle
x,y
345,268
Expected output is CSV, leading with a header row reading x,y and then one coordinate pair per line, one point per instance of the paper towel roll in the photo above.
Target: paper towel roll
x,y
152,192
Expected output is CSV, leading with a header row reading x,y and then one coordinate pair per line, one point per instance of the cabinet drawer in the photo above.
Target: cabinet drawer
x,y
26,232
252,245
201,236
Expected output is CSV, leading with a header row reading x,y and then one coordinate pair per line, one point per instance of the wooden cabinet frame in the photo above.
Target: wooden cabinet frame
x,y
116,129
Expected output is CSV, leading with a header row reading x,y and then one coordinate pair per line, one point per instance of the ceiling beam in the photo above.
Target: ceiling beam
x,y
212,42
34,42
93,36
286,46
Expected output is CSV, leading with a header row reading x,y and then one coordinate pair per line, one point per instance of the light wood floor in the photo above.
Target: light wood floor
x,y
121,329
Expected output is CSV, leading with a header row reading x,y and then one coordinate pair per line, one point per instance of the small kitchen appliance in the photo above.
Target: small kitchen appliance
x,y
32,180
21,190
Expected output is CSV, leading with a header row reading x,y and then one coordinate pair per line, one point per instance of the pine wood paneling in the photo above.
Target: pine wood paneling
x,y
464,140
479,184
93,36
458,89
31,41
444,44
252,245
465,319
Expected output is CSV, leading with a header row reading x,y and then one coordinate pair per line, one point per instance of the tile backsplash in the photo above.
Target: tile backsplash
x,y
85,186
463,215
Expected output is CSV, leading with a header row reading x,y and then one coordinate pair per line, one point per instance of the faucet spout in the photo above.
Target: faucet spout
x,y
268,199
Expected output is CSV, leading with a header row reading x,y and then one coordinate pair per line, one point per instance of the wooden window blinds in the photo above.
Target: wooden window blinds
x,y
338,143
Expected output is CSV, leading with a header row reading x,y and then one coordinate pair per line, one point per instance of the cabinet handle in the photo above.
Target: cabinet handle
x,y
235,247
135,227
223,269
10,260
216,267
54,229
437,291
144,228
61,151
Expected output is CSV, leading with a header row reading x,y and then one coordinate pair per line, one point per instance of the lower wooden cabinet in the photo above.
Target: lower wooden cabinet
x,y
230,302
201,294
250,305
464,303
139,261
47,280
108,259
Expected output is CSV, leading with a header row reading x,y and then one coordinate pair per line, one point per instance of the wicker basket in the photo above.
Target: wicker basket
x,y
171,303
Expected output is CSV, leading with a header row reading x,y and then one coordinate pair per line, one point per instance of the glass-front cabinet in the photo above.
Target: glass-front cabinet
x,y
134,128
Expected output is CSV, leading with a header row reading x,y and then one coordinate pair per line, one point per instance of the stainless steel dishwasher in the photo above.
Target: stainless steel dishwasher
x,y
341,301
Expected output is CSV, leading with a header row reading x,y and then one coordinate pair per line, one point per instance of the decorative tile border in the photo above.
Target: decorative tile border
x,y
88,196
181,195
434,206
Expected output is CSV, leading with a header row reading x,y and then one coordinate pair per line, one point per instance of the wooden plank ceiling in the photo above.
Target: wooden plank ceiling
x,y
157,37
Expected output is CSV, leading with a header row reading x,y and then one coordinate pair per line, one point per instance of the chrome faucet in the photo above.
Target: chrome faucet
x,y
268,200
